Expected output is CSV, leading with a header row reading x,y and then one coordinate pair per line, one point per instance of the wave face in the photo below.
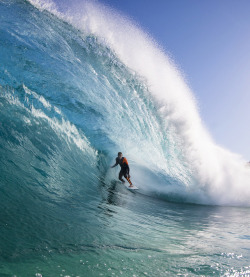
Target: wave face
x,y
78,87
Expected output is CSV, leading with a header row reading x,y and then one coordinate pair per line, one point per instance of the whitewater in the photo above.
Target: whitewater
x,y
78,83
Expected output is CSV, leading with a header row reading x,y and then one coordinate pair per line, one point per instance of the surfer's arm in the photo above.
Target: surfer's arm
x,y
116,163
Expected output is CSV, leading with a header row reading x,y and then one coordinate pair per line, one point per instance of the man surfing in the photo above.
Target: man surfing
x,y
122,161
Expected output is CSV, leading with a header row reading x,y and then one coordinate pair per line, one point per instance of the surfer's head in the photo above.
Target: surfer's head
x,y
120,155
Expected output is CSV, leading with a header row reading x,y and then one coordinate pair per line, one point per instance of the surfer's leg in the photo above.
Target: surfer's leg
x,y
130,183
120,176
128,179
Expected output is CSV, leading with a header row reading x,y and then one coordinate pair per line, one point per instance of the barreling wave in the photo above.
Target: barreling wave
x,y
94,83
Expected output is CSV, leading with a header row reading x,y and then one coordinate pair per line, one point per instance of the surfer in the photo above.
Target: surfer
x,y
122,161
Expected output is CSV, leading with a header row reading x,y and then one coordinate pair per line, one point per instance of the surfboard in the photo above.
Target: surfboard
x,y
130,188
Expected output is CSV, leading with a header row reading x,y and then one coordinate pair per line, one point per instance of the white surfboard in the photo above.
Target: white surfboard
x,y
130,188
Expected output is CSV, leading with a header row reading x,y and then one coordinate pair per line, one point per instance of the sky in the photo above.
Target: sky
x,y
209,40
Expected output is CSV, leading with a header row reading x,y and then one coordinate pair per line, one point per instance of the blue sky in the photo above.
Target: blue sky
x,y
210,42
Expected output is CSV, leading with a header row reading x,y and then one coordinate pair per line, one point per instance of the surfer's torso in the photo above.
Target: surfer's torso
x,y
122,162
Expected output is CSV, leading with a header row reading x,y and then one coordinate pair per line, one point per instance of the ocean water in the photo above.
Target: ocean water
x,y
78,83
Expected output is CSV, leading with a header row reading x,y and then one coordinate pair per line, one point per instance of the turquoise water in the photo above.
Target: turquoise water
x,y
68,104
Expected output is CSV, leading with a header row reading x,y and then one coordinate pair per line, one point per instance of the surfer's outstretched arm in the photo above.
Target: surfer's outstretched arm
x,y
116,163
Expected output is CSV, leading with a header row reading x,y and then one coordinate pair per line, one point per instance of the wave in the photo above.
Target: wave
x,y
103,86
